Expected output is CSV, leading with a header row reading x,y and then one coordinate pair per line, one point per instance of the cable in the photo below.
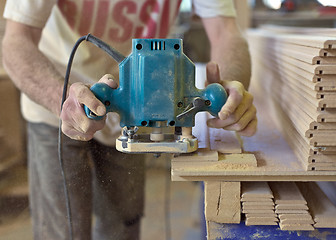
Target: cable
x,y
117,57
60,142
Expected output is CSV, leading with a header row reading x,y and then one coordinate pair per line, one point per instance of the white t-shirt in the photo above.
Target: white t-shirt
x,y
116,22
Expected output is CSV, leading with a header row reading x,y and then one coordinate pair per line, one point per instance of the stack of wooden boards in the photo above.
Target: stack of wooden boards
x,y
257,204
296,74
291,207
298,206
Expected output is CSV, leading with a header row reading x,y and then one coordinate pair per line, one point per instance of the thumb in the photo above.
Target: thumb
x,y
109,80
212,73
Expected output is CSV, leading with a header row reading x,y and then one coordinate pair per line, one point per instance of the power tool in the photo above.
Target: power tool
x,y
157,91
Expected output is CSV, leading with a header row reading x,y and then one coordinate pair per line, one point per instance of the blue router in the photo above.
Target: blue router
x,y
157,89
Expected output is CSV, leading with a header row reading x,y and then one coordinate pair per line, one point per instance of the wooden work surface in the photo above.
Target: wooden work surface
x,y
275,159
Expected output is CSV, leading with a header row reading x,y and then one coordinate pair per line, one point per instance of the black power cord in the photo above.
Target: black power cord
x,y
116,56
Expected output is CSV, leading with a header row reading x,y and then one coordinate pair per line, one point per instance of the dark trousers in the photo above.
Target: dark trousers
x,y
106,188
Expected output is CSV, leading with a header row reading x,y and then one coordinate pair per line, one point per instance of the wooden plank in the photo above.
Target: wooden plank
x,y
296,227
304,40
290,211
295,217
262,200
257,219
263,211
291,206
222,202
250,222
256,190
261,215
259,207
286,193
257,203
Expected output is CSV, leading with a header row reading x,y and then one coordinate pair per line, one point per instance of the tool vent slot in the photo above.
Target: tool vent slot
x,y
158,45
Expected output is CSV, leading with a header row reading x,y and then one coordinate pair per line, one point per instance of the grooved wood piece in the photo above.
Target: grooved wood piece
x,y
201,155
222,202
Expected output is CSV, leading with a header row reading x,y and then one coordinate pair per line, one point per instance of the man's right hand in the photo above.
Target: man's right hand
x,y
75,123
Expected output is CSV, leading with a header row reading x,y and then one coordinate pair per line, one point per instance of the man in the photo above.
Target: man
x,y
38,39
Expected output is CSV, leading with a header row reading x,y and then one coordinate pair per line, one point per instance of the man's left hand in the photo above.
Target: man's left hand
x,y
238,113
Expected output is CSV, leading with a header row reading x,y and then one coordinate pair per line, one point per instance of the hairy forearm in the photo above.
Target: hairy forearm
x,y
233,58
229,49
32,72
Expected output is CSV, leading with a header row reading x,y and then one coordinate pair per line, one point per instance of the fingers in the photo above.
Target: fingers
x,y
236,94
238,113
250,129
84,96
109,80
75,123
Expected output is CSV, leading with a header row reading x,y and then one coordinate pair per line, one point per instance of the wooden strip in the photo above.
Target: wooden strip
x,y
296,227
260,215
304,40
291,206
257,199
294,216
297,221
200,155
256,190
250,222
256,207
258,211
258,203
270,219
290,211
286,193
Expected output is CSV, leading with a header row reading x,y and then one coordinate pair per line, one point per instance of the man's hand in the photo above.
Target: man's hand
x,y
238,113
75,123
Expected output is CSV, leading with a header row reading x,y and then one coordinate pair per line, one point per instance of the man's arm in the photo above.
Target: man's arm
x,y
28,68
229,49
231,66
37,77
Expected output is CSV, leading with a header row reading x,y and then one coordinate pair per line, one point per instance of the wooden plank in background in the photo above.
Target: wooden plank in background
x,y
321,208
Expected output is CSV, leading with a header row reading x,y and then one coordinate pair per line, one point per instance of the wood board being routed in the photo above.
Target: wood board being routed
x,y
275,160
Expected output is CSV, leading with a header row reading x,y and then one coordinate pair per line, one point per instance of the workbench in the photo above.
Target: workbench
x,y
275,162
